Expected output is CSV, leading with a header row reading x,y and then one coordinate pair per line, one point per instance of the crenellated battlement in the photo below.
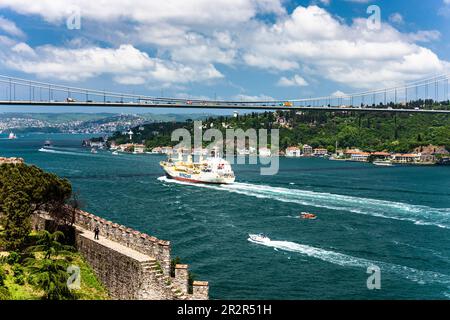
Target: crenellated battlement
x,y
141,242
131,264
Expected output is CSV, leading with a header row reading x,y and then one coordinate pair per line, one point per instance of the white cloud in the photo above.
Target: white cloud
x,y
425,36
348,54
338,94
128,65
396,18
204,12
261,97
295,81
10,27
190,37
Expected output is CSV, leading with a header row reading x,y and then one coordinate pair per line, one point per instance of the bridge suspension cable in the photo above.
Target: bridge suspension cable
x,y
50,93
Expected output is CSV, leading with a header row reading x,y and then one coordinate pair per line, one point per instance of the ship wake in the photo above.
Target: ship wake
x,y
420,215
343,260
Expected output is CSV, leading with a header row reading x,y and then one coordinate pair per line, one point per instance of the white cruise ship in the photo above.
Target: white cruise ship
x,y
212,170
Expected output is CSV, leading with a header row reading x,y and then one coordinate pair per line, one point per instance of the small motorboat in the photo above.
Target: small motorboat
x,y
261,238
93,150
383,163
307,215
115,153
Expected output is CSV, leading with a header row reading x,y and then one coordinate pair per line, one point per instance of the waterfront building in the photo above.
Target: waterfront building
x,y
243,151
381,155
200,151
126,147
320,152
293,152
405,158
97,144
139,148
360,156
167,150
307,150
264,152
11,160
427,158
157,150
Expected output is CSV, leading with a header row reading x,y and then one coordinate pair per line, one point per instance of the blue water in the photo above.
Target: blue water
x,y
397,218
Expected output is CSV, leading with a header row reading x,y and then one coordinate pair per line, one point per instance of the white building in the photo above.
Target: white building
x,y
293,152
320,152
139,148
157,150
307,150
264,152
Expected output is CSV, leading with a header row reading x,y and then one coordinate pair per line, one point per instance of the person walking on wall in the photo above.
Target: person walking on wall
x,y
96,233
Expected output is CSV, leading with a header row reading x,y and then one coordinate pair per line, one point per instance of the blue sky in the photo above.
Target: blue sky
x,y
231,49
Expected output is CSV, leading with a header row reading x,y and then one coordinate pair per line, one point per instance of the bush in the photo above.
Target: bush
x,y
13,258
19,276
4,294
2,276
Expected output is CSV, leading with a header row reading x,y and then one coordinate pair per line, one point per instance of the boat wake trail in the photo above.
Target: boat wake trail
x,y
85,154
421,215
415,275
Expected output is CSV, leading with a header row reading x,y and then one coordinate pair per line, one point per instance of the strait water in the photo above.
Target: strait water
x,y
397,218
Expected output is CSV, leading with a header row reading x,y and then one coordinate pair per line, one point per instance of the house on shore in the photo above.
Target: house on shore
x,y
11,160
139,149
264,152
360,156
381,155
320,152
157,150
405,158
293,152
307,150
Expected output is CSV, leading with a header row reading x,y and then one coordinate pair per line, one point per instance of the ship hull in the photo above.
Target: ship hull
x,y
196,178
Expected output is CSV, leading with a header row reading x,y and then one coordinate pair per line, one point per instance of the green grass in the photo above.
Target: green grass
x,y
91,287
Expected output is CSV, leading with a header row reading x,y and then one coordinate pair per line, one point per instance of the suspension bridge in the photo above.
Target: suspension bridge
x,y
429,95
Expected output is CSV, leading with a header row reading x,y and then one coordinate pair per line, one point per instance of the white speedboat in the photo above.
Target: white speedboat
x,y
261,238
115,153
12,136
384,163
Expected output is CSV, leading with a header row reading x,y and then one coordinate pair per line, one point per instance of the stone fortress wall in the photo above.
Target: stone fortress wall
x,y
130,264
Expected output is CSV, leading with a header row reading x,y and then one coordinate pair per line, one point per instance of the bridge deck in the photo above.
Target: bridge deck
x,y
235,106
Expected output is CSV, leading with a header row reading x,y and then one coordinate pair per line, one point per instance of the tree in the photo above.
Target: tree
x,y
49,273
51,276
48,244
25,190
17,211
